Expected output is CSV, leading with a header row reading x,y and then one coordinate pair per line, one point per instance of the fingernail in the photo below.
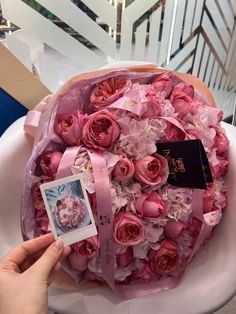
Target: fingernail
x,y
58,245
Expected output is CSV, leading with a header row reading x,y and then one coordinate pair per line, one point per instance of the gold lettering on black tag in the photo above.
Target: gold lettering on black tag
x,y
188,163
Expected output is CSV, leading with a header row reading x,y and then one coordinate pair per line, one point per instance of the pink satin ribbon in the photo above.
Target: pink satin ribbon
x,y
126,103
209,220
67,161
175,122
197,203
32,122
104,216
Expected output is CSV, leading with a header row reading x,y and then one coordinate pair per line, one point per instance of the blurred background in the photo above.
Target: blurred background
x,y
57,41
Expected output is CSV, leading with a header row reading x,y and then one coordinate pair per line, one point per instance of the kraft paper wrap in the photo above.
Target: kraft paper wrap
x,y
18,81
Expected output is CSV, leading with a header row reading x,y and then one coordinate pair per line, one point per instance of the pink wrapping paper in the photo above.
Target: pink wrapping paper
x,y
72,96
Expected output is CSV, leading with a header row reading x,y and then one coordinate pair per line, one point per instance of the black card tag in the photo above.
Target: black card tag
x,y
188,163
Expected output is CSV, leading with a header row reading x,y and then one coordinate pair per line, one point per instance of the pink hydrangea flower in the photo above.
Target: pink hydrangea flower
x,y
49,163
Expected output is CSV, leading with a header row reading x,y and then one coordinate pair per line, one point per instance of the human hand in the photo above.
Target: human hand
x,y
26,272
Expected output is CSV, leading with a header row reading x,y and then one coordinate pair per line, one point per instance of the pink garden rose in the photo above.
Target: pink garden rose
x,y
78,262
37,199
150,205
221,142
69,211
144,273
185,88
123,170
165,259
101,130
128,229
49,163
173,228
181,100
209,198
173,133
126,258
43,222
70,127
163,84
88,247
154,101
222,168
106,92
152,170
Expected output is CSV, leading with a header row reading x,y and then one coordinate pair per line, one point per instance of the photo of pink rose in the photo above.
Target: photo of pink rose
x,y
66,205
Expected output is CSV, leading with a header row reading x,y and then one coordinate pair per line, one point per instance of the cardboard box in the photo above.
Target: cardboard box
x,y
20,90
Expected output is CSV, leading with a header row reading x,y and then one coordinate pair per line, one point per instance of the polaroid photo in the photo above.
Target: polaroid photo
x,y
68,209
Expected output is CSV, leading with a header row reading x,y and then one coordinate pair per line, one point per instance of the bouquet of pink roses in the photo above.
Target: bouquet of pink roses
x,y
117,129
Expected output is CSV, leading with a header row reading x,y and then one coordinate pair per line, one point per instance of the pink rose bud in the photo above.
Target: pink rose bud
x,y
78,262
70,127
174,228
220,114
123,170
128,229
221,142
163,84
222,168
152,170
181,102
126,258
108,91
150,205
144,273
185,88
172,133
209,199
43,223
49,163
165,259
88,247
37,199
101,130
154,102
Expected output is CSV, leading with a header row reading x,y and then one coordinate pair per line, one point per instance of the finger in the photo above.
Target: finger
x,y
26,249
9,267
66,251
56,268
31,260
48,260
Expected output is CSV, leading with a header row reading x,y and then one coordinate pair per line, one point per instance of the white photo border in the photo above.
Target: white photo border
x,y
78,234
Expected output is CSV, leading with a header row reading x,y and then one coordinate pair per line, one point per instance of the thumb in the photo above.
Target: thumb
x,y
48,260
